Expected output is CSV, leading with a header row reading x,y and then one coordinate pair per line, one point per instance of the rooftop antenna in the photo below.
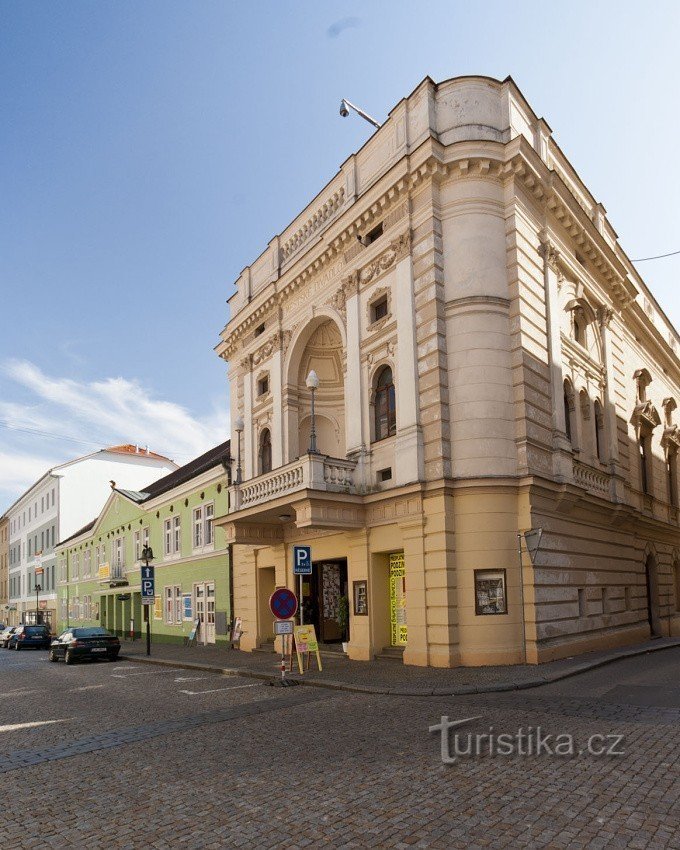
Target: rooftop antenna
x,y
345,107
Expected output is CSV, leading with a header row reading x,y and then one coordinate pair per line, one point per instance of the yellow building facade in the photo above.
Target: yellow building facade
x,y
446,349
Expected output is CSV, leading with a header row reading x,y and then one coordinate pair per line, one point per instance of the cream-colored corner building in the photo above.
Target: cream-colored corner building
x,y
489,362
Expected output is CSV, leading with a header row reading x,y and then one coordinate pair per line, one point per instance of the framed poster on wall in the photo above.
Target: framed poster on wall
x,y
490,592
360,594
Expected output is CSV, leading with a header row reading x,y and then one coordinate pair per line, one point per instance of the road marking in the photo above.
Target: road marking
x,y
128,667
19,693
190,678
86,688
143,673
217,690
13,727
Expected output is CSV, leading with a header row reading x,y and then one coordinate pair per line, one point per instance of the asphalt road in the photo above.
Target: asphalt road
x,y
117,755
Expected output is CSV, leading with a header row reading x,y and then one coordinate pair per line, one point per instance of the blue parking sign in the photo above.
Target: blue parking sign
x,y
302,560
148,585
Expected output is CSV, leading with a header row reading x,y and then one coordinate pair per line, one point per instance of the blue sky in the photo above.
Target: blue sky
x,y
150,150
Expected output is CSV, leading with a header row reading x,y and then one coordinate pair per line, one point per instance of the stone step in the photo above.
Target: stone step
x,y
391,653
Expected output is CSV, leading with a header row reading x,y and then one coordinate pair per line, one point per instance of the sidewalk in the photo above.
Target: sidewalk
x,y
385,677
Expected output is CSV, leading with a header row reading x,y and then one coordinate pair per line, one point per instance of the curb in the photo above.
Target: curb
x,y
462,690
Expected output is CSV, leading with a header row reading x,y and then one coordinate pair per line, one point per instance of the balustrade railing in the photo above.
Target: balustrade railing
x,y
591,478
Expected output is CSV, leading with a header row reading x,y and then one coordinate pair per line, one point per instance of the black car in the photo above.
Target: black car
x,y
23,637
75,644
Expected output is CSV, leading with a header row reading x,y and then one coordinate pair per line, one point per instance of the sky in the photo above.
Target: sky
x,y
151,150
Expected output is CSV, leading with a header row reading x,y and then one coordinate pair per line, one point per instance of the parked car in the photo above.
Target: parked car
x,y
22,637
5,635
76,644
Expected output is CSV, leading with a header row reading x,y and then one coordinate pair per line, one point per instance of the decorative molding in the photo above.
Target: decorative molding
x,y
397,249
549,252
604,316
265,351
321,217
374,326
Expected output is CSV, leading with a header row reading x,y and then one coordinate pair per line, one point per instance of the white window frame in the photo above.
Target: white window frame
x,y
137,539
197,528
202,528
172,605
167,537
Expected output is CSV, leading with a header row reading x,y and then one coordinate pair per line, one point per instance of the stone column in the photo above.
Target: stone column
x,y
354,438
409,442
277,420
247,448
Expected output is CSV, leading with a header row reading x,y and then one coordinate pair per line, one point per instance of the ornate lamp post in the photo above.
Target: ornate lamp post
x,y
238,427
312,384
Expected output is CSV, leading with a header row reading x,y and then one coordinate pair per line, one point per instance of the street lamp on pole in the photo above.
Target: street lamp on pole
x,y
147,555
312,384
238,427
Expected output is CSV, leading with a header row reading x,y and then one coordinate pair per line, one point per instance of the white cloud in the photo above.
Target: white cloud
x,y
75,417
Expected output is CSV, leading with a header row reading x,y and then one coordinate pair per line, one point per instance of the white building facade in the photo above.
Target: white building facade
x,y
55,507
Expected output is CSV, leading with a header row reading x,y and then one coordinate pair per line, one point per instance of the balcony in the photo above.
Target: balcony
x,y
313,491
591,479
313,472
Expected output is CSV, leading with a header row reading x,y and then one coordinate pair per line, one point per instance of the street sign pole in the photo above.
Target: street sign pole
x,y
147,620
148,588
302,566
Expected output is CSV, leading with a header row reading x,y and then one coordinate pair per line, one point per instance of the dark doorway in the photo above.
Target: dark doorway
x,y
652,582
321,594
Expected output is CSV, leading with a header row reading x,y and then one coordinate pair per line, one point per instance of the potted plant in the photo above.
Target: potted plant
x,y
343,620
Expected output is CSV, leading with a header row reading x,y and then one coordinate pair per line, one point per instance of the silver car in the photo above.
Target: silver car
x,y
6,635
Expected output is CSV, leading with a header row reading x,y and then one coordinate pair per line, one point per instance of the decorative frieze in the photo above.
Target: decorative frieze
x,y
398,248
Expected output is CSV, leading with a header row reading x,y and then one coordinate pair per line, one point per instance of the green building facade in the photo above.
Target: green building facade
x,y
99,567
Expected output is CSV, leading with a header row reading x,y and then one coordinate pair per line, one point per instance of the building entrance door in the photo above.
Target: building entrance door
x,y
321,598
398,629
204,606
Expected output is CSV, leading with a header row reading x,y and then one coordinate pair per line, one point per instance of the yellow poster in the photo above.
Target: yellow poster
x,y
157,608
398,629
104,572
306,643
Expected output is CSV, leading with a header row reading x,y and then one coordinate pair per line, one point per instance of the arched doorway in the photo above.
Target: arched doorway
x,y
652,583
323,353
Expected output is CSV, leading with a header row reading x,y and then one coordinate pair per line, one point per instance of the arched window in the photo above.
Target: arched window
x,y
599,431
265,451
385,409
568,410
578,325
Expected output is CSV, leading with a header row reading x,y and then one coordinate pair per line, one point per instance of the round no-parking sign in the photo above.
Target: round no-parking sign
x,y
283,603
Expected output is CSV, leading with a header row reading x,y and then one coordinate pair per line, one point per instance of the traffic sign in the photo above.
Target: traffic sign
x,y
148,585
283,627
302,560
283,603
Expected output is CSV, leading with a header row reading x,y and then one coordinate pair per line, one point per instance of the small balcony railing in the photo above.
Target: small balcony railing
x,y
591,478
309,472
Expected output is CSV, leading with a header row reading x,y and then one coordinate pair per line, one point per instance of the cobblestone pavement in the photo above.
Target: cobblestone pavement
x,y
392,676
130,756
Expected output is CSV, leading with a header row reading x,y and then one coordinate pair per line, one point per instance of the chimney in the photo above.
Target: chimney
x,y
136,449
146,450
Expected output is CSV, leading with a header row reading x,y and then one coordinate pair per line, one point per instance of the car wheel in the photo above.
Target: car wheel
x,y
113,657
53,655
68,657
17,646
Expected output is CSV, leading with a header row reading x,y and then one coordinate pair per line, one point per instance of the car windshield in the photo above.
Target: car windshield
x,y
35,630
90,632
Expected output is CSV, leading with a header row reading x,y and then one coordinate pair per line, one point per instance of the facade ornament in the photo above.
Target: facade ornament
x,y
398,248
549,252
604,316
265,351
339,302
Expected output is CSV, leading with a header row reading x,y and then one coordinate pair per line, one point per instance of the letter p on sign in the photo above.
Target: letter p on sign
x,y
302,560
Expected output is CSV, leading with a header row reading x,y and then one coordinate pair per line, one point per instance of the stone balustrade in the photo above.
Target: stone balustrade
x,y
309,472
591,478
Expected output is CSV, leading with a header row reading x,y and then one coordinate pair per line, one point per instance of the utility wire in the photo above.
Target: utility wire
x,y
658,257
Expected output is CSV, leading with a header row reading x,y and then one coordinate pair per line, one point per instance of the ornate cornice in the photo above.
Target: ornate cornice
x,y
398,248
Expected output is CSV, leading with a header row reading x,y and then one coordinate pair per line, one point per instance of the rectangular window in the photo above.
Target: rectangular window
x,y
198,528
177,535
42,541
172,609
52,535
87,562
209,516
145,537
138,545
263,385
167,537
42,504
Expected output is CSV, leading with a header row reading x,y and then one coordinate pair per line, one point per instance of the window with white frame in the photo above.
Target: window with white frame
x,y
173,605
118,552
87,563
202,530
177,534
138,545
167,537
76,565
198,528
146,537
